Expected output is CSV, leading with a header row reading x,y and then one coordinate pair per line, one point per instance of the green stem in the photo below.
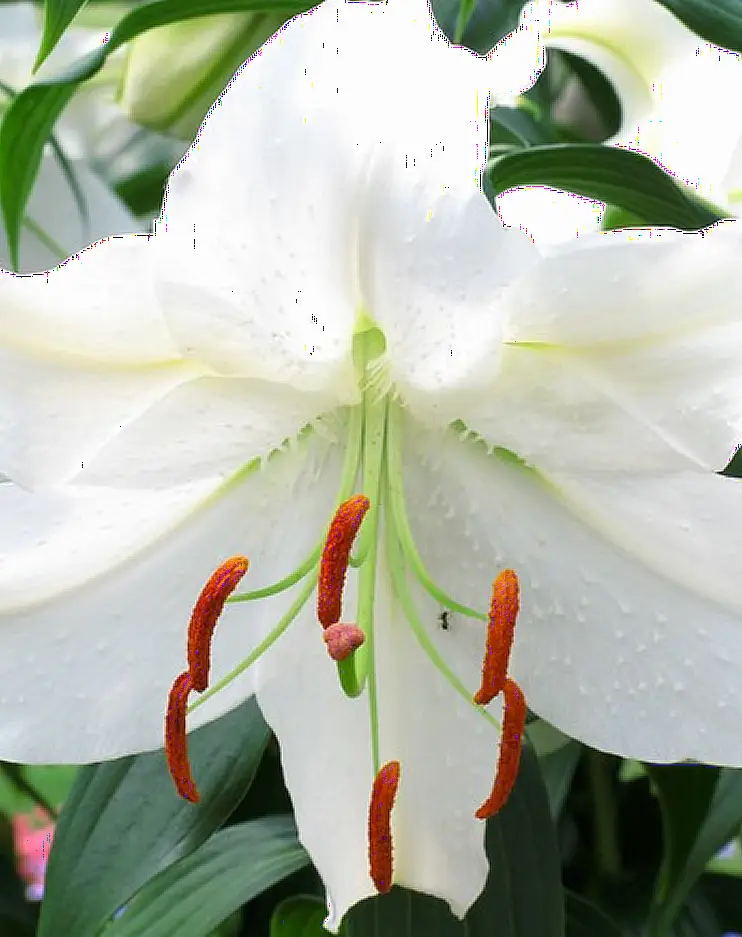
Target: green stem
x,y
601,777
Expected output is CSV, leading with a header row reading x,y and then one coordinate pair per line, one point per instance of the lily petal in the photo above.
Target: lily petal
x,y
97,589
84,351
438,845
204,427
325,756
433,266
550,216
631,612
637,367
280,299
89,386
285,295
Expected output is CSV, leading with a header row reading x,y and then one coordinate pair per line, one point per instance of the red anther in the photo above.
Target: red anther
x,y
379,826
342,640
176,743
513,726
500,632
335,556
222,583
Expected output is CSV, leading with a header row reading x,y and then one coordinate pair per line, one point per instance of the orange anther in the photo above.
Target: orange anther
x,y
500,632
221,584
513,726
379,826
335,556
176,743
342,640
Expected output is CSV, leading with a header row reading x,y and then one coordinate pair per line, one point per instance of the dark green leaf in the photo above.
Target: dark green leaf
x,y
477,24
123,821
685,793
29,120
58,14
518,126
300,916
719,21
557,771
583,919
523,893
621,177
701,812
196,893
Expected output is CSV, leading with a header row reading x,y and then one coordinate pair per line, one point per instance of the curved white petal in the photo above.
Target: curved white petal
x,y
628,636
326,758
641,33
448,754
279,299
621,352
661,72
432,266
99,304
696,151
97,590
446,750
309,133
549,216
84,350
201,428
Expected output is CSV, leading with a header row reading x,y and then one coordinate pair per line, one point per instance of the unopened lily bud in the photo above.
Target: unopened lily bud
x,y
175,73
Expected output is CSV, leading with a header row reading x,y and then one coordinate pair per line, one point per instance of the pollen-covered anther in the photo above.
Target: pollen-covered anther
x,y
221,584
176,743
335,557
342,639
500,632
511,743
383,792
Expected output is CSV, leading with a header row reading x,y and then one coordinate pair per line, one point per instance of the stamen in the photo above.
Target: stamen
x,y
342,640
500,633
205,614
513,727
335,556
379,826
176,743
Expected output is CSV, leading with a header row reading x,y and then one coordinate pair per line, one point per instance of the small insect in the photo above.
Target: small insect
x,y
443,620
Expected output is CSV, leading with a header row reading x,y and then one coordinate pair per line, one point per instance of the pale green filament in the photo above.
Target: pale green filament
x,y
402,592
398,519
296,606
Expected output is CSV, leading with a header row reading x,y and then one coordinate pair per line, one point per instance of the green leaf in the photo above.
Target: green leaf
x,y
58,14
583,919
28,122
196,893
299,916
477,24
557,771
701,811
685,793
719,21
123,822
523,893
624,178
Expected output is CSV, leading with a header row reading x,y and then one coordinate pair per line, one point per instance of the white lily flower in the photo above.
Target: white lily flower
x,y
671,86
330,307
66,212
